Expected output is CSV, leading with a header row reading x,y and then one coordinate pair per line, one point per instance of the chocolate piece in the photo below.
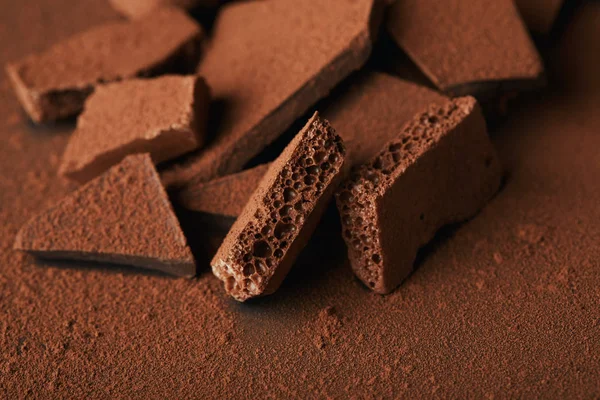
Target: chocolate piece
x,y
477,47
139,8
268,62
55,83
441,169
123,216
165,117
225,196
282,214
539,15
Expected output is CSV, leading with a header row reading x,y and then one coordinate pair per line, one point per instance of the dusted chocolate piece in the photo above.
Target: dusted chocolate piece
x,y
282,214
539,15
268,62
139,8
441,169
165,117
55,83
477,47
225,196
123,216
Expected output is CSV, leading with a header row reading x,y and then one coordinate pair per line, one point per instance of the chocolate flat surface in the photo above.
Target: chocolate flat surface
x,y
504,305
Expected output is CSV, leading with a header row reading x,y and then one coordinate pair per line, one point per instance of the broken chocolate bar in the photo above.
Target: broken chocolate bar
x,y
139,8
268,62
441,169
282,214
225,196
477,47
55,83
165,117
124,217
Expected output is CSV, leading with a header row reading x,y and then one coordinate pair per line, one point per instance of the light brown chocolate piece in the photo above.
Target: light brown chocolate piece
x,y
165,117
224,196
440,170
476,47
139,8
123,216
55,83
282,214
268,62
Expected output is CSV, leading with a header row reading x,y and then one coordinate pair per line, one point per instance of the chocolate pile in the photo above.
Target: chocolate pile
x,y
420,160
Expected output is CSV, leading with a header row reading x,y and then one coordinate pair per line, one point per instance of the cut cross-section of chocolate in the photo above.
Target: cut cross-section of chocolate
x,y
55,83
441,169
267,63
475,47
165,117
139,8
282,214
124,216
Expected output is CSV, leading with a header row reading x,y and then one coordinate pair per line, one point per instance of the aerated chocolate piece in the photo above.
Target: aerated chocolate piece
x,y
268,62
123,216
139,8
225,196
282,214
441,169
477,47
539,15
55,83
165,117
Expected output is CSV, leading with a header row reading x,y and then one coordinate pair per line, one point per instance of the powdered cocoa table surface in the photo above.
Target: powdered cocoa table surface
x,y
505,305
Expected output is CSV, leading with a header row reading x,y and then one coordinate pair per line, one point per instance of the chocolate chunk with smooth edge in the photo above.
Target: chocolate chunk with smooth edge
x,y
440,170
165,117
282,214
124,216
54,84
139,8
268,62
539,15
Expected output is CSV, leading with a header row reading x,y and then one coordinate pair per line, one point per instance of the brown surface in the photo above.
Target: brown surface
x,y
139,8
268,62
123,216
466,47
165,117
54,84
225,196
441,169
539,15
282,213
506,306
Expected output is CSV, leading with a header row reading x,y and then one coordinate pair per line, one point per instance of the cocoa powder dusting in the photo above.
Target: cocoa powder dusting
x,y
505,305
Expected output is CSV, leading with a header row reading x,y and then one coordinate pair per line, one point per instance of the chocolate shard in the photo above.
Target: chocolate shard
x,y
224,196
265,81
124,216
282,214
165,117
139,8
441,169
539,15
55,83
476,47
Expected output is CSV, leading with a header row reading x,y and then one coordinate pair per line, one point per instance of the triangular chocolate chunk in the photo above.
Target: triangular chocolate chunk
x,y
124,216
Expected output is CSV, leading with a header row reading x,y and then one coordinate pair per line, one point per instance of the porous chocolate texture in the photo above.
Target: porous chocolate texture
x,y
224,196
282,214
267,63
165,117
441,169
124,217
139,8
54,84
476,47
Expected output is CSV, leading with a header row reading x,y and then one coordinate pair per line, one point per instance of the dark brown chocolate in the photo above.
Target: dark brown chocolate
x,y
268,62
476,47
224,196
441,169
139,8
54,84
124,216
165,117
282,214
539,15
